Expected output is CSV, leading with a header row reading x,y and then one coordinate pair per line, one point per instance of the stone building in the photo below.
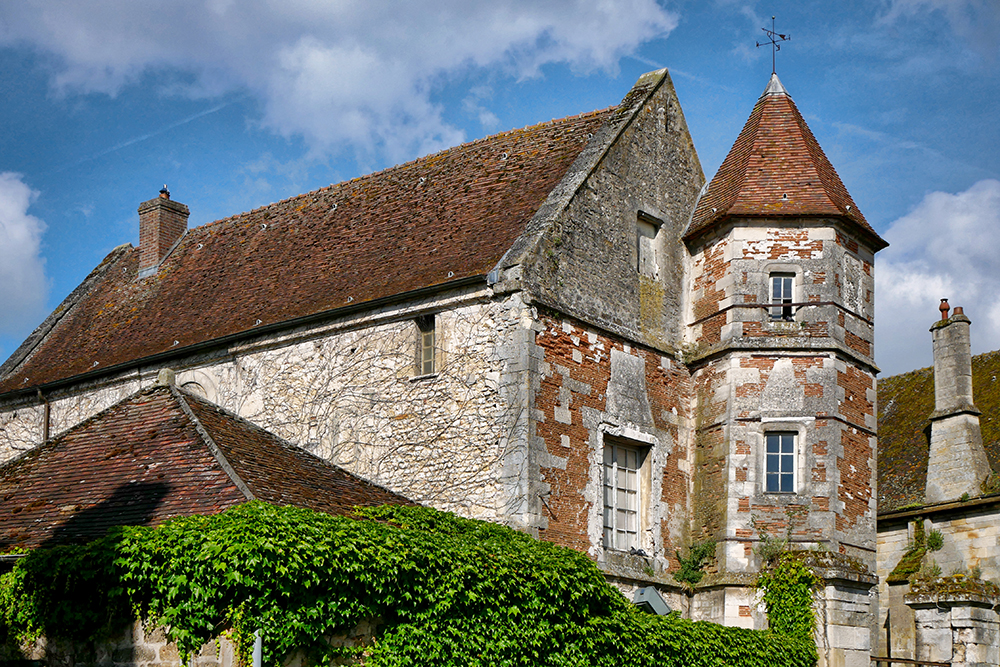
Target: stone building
x,y
561,328
159,454
939,504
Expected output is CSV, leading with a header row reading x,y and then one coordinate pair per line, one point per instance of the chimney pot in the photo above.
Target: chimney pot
x,y
958,311
162,222
944,308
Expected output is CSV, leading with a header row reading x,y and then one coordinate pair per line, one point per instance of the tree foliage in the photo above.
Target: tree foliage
x,y
440,589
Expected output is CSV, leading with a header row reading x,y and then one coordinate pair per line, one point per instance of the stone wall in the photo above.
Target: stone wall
x,y
971,546
143,645
962,628
350,392
593,388
644,167
820,399
833,280
136,645
895,629
809,374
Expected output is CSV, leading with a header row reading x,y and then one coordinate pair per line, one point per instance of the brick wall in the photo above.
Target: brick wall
x,y
581,400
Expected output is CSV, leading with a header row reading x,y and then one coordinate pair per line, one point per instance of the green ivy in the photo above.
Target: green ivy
x,y
787,592
691,567
443,591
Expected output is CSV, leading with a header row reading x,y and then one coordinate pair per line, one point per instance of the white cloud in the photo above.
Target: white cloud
x,y
333,72
23,285
945,248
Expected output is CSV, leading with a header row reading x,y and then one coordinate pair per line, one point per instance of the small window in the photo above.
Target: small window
x,y
646,229
621,496
780,474
426,346
781,295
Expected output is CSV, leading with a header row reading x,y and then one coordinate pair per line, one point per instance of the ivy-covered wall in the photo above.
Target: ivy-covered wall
x,y
436,590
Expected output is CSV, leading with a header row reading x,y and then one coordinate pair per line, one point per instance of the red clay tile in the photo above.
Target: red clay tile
x,y
776,168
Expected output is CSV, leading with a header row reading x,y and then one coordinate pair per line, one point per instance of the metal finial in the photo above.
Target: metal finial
x,y
773,38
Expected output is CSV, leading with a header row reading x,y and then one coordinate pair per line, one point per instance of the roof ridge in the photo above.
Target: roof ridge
x,y
397,167
211,444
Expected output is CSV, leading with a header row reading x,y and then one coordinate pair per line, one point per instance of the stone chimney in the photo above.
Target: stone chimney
x,y
162,222
957,462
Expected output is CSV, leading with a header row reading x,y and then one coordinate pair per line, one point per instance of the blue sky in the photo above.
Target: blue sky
x,y
238,104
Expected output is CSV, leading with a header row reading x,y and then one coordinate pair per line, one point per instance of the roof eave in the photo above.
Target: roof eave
x,y
720,220
263,330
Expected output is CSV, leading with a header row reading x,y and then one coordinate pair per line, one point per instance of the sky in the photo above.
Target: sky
x,y
235,105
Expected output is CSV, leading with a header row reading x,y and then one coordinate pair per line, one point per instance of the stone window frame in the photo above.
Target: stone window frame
x,y
800,479
643,443
648,242
428,338
776,270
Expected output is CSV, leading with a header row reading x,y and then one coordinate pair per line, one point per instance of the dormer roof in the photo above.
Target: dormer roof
x,y
776,168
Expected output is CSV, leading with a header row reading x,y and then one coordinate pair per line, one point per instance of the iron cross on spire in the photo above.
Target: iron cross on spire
x,y
774,39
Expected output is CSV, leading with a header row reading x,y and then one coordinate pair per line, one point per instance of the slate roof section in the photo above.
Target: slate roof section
x,y
156,455
439,219
905,403
776,168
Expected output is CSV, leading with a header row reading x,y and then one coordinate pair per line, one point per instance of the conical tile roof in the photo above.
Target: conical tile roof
x,y
776,168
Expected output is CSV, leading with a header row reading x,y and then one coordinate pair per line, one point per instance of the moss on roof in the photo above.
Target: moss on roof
x,y
905,402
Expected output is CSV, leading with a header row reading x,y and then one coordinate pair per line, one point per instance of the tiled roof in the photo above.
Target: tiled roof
x,y
159,454
425,223
777,168
905,403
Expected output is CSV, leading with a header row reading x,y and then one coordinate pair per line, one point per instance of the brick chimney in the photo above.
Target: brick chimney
x,y
162,222
957,462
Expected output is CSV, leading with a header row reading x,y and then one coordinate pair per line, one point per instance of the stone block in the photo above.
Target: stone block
x,y
848,637
134,654
168,653
157,635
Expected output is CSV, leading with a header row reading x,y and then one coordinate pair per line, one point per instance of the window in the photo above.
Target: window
x,y
646,229
781,295
621,496
780,473
426,346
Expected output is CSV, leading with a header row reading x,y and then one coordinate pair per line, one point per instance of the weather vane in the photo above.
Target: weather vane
x,y
773,38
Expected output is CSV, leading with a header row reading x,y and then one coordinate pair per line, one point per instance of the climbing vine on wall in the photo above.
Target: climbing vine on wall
x,y
787,594
441,591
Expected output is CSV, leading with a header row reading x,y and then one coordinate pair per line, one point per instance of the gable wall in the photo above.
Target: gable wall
x,y
585,264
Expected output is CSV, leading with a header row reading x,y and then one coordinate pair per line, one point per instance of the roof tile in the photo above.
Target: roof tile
x,y
777,168
438,219
145,460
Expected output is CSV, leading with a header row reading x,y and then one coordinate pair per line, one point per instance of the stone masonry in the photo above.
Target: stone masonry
x,y
628,312
957,462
